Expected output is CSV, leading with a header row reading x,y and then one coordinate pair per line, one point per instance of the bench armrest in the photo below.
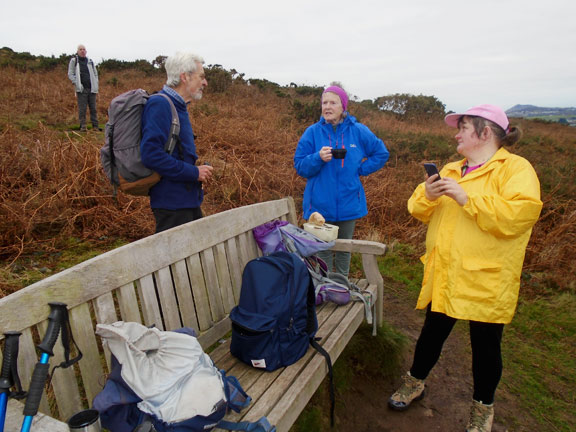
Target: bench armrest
x,y
360,246
369,251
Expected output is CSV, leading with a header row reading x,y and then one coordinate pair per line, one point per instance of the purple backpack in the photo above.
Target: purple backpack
x,y
282,236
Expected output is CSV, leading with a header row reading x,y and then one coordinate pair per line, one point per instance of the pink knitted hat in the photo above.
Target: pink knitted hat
x,y
341,94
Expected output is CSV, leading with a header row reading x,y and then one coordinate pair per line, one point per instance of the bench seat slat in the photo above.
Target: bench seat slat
x,y
295,398
274,392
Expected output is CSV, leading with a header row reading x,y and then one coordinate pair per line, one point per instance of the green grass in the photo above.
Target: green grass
x,y
539,350
402,265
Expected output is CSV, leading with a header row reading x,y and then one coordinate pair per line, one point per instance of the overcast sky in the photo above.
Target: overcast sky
x,y
465,53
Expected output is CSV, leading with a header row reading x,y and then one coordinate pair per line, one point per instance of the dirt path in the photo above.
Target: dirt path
x,y
446,406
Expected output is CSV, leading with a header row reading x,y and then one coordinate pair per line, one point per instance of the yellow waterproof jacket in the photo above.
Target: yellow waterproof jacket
x,y
474,253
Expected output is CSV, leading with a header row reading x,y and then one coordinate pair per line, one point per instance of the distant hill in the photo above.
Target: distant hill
x,y
562,115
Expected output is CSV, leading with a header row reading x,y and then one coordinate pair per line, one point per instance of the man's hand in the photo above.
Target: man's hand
x,y
205,172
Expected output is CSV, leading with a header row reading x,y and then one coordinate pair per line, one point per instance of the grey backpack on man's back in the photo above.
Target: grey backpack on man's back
x,y
120,154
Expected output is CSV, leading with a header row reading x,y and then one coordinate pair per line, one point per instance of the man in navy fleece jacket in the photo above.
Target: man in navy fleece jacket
x,y
177,198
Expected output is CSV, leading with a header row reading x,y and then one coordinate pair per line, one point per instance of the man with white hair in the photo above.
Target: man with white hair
x,y
177,197
84,76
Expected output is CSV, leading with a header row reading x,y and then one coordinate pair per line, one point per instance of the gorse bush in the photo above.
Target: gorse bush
x,y
308,112
26,61
122,65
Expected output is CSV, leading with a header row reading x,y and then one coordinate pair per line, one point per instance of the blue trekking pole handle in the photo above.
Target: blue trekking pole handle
x,y
58,316
10,357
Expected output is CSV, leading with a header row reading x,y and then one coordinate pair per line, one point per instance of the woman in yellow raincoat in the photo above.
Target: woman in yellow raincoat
x,y
480,212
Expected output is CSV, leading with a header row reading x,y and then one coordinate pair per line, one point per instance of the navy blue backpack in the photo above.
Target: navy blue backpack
x,y
275,319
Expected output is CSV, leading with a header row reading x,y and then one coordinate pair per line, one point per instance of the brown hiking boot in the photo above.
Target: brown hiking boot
x,y
481,417
411,390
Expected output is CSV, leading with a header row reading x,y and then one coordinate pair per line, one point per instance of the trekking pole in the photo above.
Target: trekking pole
x,y
9,370
58,316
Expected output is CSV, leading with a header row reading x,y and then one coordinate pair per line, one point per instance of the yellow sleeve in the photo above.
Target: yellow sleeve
x,y
421,207
515,209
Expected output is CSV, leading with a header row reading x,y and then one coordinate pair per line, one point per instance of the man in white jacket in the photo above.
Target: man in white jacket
x,y
84,76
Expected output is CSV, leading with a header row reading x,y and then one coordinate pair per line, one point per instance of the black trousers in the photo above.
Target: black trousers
x,y
485,339
166,219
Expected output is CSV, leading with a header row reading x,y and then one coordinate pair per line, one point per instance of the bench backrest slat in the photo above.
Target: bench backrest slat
x,y
128,303
184,295
105,312
200,295
167,297
150,307
63,382
91,365
214,297
234,266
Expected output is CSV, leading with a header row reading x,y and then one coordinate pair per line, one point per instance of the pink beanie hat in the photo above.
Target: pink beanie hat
x,y
489,112
341,94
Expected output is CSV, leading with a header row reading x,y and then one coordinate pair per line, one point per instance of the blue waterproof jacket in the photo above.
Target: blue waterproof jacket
x,y
334,188
179,187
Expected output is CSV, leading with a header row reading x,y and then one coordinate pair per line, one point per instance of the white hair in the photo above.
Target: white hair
x,y
180,63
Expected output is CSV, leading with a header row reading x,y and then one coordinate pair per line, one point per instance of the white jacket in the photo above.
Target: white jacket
x,y
74,75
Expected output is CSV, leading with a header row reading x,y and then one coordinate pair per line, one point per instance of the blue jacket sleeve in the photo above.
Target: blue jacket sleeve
x,y
156,120
376,152
307,161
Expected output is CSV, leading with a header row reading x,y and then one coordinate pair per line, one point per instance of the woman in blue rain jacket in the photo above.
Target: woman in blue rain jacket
x,y
333,186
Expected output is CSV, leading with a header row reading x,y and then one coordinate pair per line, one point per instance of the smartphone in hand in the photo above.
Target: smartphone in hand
x,y
431,169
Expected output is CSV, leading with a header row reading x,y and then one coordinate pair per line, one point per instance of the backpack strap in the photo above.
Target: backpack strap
x,y
321,350
262,425
174,134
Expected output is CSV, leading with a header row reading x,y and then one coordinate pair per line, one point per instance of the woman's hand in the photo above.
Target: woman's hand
x,y
446,186
325,153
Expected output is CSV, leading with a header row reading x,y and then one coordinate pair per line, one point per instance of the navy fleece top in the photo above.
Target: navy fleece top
x,y
179,187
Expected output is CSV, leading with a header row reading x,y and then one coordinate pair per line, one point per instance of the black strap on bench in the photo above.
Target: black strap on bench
x,y
318,347
67,337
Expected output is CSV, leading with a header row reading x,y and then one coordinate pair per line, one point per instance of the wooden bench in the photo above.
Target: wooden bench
x,y
189,276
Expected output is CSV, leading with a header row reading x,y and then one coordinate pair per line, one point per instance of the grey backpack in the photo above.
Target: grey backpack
x,y
120,154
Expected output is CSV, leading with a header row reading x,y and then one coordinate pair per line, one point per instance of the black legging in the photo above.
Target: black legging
x,y
485,339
